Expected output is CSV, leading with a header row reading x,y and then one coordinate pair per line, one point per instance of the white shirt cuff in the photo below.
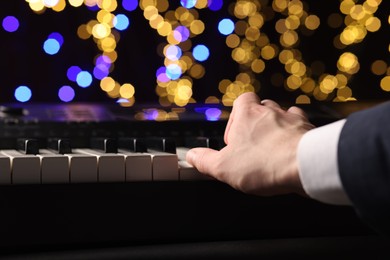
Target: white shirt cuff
x,y
318,167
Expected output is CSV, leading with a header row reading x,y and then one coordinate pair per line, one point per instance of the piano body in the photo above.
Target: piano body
x,y
114,210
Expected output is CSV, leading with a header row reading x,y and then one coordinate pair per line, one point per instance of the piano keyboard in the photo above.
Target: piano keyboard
x,y
89,143
134,159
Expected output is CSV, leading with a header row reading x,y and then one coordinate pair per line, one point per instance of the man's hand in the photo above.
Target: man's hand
x,y
261,145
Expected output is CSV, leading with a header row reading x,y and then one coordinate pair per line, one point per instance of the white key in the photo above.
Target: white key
x,y
181,153
82,168
165,166
138,166
26,168
187,172
5,170
54,167
111,166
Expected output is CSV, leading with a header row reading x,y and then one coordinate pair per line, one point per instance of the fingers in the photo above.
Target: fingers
x,y
202,159
270,103
293,109
245,98
297,111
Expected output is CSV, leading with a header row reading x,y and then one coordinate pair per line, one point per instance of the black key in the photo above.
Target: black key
x,y
162,144
107,145
59,145
136,145
210,142
13,111
28,146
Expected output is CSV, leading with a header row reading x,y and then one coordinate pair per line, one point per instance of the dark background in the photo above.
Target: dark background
x,y
23,61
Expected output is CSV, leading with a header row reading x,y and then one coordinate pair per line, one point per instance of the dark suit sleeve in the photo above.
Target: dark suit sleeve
x,y
364,164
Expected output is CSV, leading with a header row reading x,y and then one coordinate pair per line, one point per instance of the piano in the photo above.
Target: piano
x,y
86,176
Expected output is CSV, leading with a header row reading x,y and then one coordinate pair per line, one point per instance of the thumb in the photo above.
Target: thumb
x,y
202,159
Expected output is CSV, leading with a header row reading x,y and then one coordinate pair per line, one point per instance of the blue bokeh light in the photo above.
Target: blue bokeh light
x,y
72,73
93,7
100,71
51,46
181,33
130,5
23,93
162,75
10,24
84,79
151,114
226,26
188,3
66,93
173,52
215,5
103,60
121,22
201,52
57,36
173,71
213,114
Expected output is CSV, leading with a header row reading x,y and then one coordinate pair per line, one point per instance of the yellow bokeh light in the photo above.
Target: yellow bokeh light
x,y
302,99
268,52
105,17
348,62
76,3
258,66
280,5
252,33
289,38
328,84
308,85
373,24
162,5
60,6
256,20
346,6
150,11
243,9
127,91
156,21
293,82
164,28
82,32
312,22
385,83
37,5
197,27
295,7
357,12
292,22
108,44
379,67
286,56
101,30
232,41
197,71
344,93
107,84
108,5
